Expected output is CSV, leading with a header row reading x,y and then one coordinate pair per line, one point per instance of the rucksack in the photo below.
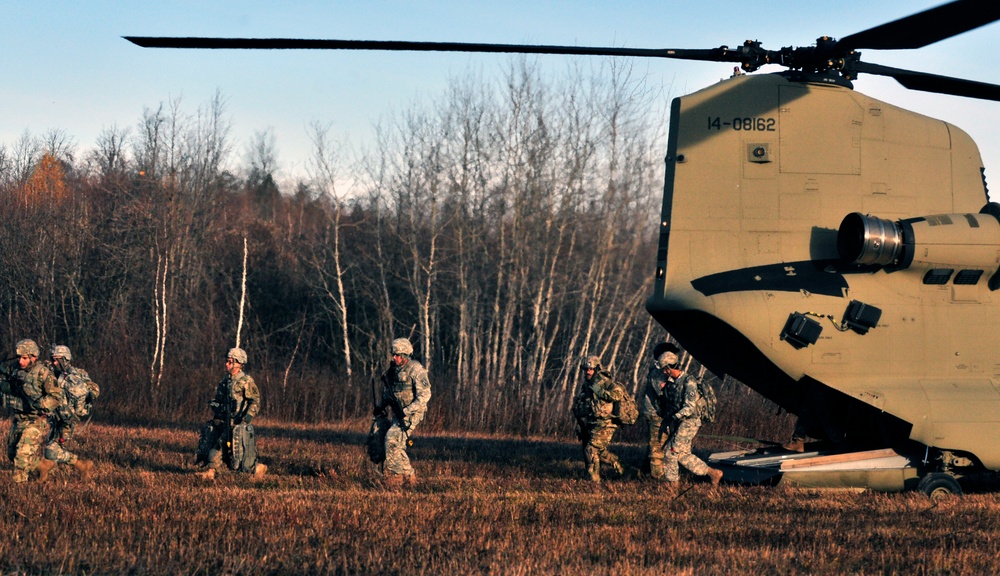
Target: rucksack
x,y
626,410
244,445
709,403
76,396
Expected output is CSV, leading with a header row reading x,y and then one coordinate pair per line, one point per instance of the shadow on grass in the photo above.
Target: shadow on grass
x,y
507,456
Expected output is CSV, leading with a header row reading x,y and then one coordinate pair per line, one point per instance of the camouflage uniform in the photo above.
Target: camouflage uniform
x,y
593,408
237,399
35,396
683,398
406,391
66,418
651,407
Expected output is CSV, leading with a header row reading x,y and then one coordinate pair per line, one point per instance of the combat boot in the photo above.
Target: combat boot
x,y
715,476
207,474
409,480
617,467
795,445
393,481
44,468
84,467
259,469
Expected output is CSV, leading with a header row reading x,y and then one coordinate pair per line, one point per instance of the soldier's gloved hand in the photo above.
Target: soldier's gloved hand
x,y
377,410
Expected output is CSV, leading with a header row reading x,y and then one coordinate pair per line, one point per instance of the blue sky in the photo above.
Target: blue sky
x,y
68,68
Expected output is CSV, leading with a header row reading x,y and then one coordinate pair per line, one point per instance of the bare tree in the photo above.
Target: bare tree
x,y
327,261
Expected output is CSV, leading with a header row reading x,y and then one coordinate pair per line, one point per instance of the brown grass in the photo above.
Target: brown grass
x,y
482,505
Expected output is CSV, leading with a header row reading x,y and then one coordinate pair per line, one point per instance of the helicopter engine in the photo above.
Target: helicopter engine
x,y
936,245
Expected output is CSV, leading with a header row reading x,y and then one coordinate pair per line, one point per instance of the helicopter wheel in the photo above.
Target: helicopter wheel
x,y
938,486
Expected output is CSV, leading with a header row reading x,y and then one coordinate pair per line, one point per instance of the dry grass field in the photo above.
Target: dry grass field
x,y
482,505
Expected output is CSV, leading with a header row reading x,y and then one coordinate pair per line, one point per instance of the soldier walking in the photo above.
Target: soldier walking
x,y
228,437
593,408
34,395
684,401
78,395
652,407
406,390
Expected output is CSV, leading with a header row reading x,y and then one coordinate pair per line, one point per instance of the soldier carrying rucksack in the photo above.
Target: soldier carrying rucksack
x,y
78,395
229,438
600,407
687,406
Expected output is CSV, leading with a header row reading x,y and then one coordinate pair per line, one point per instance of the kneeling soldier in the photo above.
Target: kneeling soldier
x,y
228,436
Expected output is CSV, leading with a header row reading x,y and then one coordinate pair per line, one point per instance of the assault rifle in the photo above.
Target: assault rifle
x,y
389,402
8,373
234,416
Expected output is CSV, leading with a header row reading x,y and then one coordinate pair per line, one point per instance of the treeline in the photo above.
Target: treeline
x,y
508,228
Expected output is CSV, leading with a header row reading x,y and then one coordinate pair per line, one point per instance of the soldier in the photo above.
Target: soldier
x,y
651,405
34,395
406,391
228,436
682,401
78,395
593,408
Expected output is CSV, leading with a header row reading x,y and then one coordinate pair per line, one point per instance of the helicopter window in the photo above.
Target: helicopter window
x,y
968,277
938,276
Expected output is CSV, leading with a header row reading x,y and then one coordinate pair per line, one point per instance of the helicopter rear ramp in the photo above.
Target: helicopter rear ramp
x,y
884,470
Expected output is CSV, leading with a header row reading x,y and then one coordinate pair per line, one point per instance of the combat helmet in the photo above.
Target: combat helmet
x,y
402,346
26,347
237,354
668,358
591,363
61,351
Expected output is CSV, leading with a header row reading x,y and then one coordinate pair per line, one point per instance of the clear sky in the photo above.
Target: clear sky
x,y
67,66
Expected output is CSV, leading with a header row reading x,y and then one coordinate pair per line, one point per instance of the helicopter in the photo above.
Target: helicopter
x,y
835,253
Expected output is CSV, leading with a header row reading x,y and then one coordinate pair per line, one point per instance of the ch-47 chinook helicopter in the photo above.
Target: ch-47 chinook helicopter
x,y
835,253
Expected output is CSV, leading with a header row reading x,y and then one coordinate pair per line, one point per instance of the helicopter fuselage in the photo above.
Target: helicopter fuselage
x,y
762,173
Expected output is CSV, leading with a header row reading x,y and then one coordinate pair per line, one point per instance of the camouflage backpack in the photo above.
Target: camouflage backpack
x,y
626,410
76,401
244,448
708,404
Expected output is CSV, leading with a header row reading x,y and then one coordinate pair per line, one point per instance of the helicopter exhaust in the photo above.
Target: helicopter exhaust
x,y
939,244
864,239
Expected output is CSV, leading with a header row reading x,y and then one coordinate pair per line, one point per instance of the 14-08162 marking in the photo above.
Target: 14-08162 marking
x,y
747,124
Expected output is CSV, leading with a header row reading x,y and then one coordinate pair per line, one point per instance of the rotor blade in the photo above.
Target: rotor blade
x,y
925,27
712,55
933,82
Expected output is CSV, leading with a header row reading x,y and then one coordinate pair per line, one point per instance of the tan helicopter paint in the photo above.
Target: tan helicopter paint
x,y
762,171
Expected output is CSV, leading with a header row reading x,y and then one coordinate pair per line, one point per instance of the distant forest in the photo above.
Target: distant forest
x,y
508,227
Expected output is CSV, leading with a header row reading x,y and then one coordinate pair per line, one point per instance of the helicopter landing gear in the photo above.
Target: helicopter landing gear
x,y
939,485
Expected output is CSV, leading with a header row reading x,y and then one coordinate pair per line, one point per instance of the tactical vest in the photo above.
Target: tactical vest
x,y
29,385
402,382
673,396
238,404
